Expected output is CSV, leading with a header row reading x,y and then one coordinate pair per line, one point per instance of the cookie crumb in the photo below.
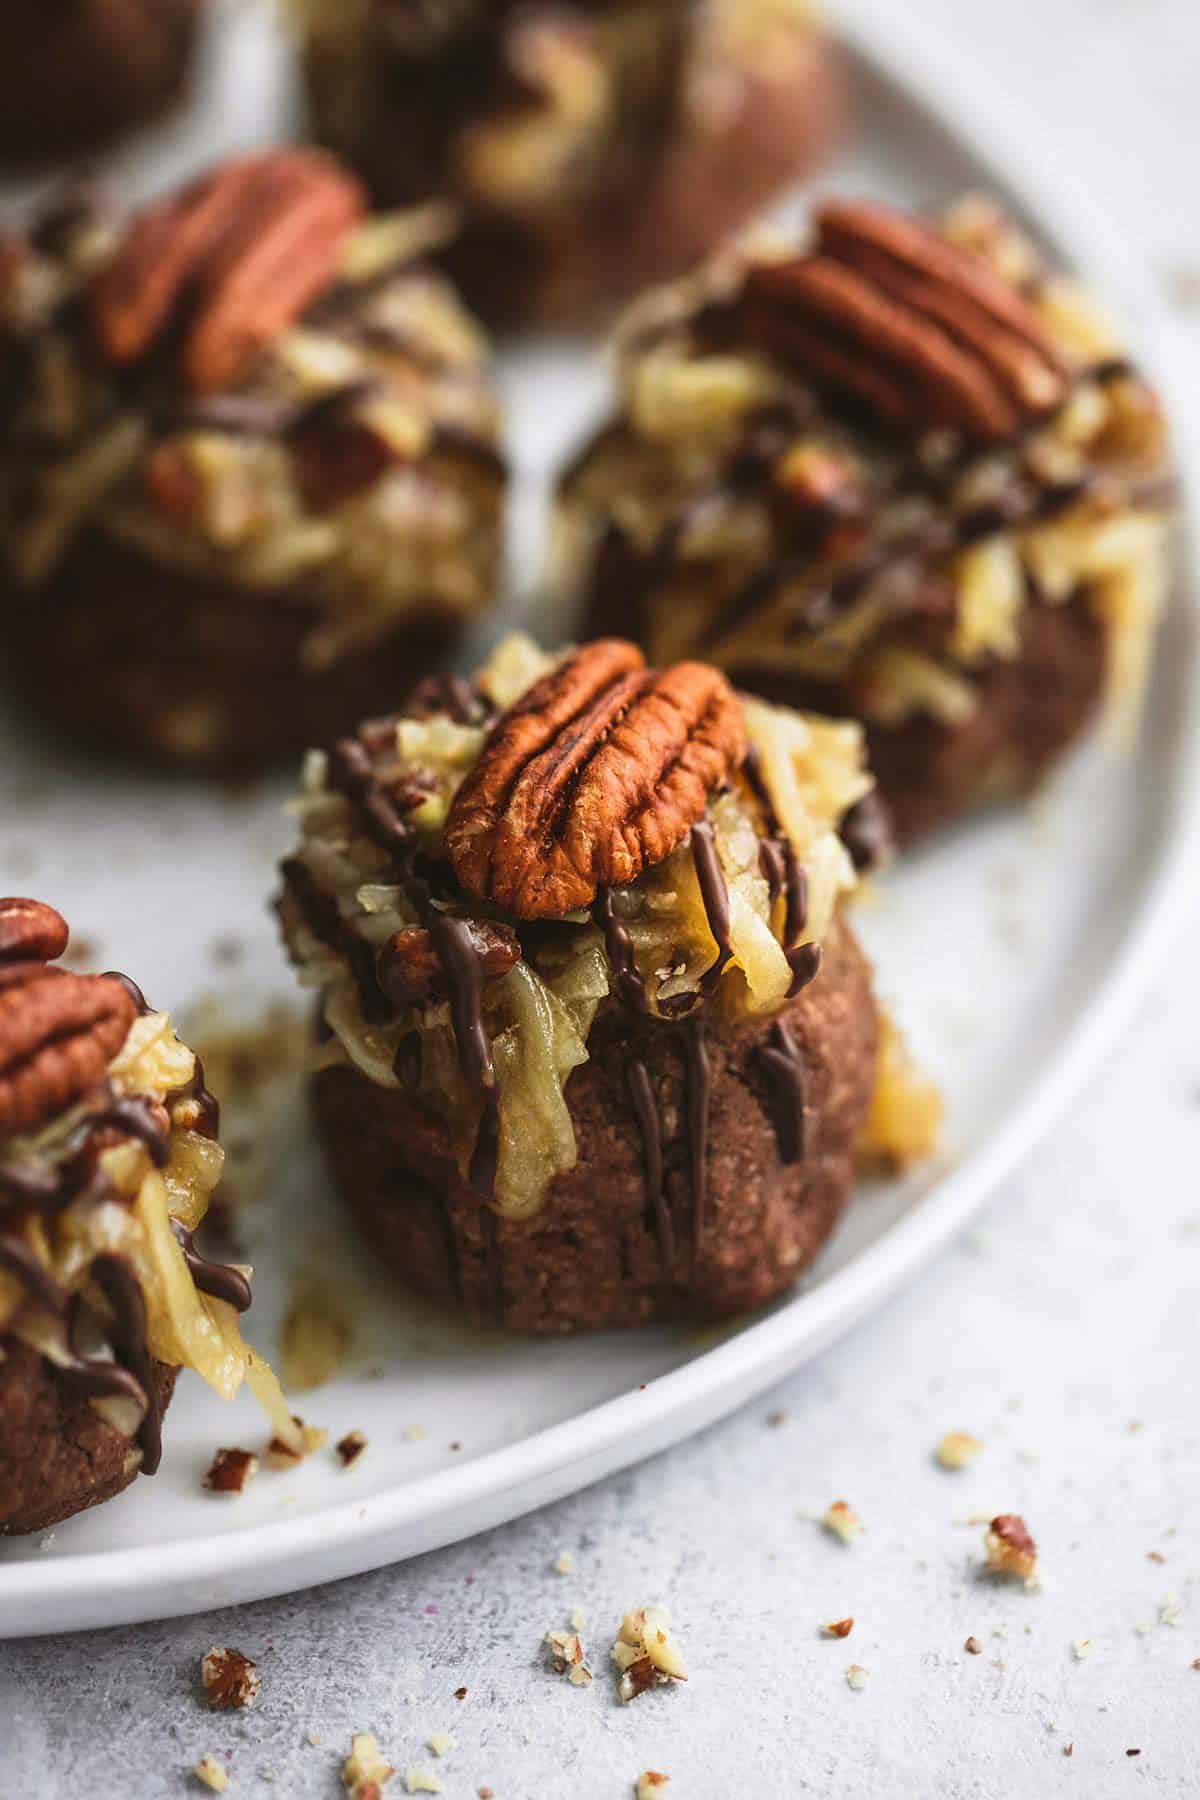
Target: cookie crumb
x,y
566,1649
351,1447
460,1693
778,1417
973,1647
857,1677
441,1743
283,1456
1010,1548
564,1563
843,1522
577,1619
838,1628
231,1470
420,1780
1069,1749
650,1784
212,1773
231,1681
958,1450
365,1771
1133,1753
1170,1610
645,1652
414,1433
1082,1647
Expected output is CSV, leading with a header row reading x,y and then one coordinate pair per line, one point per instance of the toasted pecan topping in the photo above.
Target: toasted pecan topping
x,y
31,931
229,263
58,1034
597,773
924,333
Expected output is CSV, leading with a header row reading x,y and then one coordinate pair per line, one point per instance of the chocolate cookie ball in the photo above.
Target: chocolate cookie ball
x,y
903,474
600,1044
108,1155
78,73
593,145
250,478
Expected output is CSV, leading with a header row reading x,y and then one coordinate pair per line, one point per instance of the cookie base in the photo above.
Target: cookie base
x,y
185,671
57,1455
595,1255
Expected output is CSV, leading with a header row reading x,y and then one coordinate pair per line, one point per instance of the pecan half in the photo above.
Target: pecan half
x,y
925,334
411,973
58,1034
227,264
31,931
598,772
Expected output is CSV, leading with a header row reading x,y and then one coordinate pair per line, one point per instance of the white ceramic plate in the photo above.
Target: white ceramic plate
x,y
1012,954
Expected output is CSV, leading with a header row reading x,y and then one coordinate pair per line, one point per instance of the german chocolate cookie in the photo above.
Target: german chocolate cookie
x,y
77,73
108,1155
250,477
593,145
599,1042
903,474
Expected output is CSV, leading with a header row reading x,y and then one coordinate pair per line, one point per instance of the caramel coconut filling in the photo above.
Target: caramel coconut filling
x,y
98,1270
483,1014
352,458
789,501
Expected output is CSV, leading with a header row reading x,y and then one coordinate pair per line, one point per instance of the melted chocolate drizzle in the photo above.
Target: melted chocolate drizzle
x,y
698,1106
645,1109
714,891
220,1280
116,1280
777,856
782,1061
618,948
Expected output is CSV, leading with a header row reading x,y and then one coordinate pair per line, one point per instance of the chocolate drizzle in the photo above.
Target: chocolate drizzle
x,y
20,1260
121,1288
220,1280
698,1103
777,856
782,1060
455,949
618,948
645,1108
714,891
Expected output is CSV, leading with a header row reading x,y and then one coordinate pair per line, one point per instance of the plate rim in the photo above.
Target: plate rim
x,y
78,1592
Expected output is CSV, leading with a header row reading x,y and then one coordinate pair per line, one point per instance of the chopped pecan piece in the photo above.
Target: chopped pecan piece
x,y
598,772
230,1470
411,972
1009,1547
231,1681
58,1034
31,931
233,260
921,331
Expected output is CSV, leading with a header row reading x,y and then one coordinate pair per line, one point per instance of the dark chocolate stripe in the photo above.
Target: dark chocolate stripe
x,y
20,1260
219,1280
116,1280
645,1110
782,1061
697,1103
714,891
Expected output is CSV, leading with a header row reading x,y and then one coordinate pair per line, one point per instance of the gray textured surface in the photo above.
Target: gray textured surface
x,y
1062,1333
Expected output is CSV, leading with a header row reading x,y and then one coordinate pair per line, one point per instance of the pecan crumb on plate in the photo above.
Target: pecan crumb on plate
x,y
1009,1548
645,1652
231,1470
212,1774
843,1522
231,1681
